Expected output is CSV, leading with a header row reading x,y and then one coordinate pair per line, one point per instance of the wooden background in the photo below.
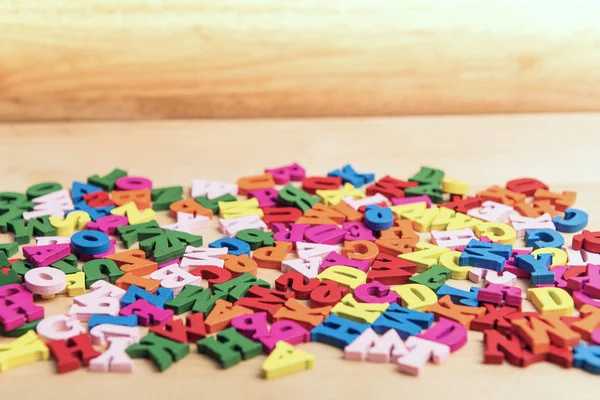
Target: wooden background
x,y
121,59
560,150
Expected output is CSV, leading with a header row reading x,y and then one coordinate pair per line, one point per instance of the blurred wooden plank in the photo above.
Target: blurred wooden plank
x,y
104,59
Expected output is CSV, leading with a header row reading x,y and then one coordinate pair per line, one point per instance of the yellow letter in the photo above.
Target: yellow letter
x,y
551,301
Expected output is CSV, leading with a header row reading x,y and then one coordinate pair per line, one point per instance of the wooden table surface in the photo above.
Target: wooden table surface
x,y
560,150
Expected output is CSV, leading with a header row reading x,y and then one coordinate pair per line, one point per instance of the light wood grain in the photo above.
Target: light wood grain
x,y
560,150
121,59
